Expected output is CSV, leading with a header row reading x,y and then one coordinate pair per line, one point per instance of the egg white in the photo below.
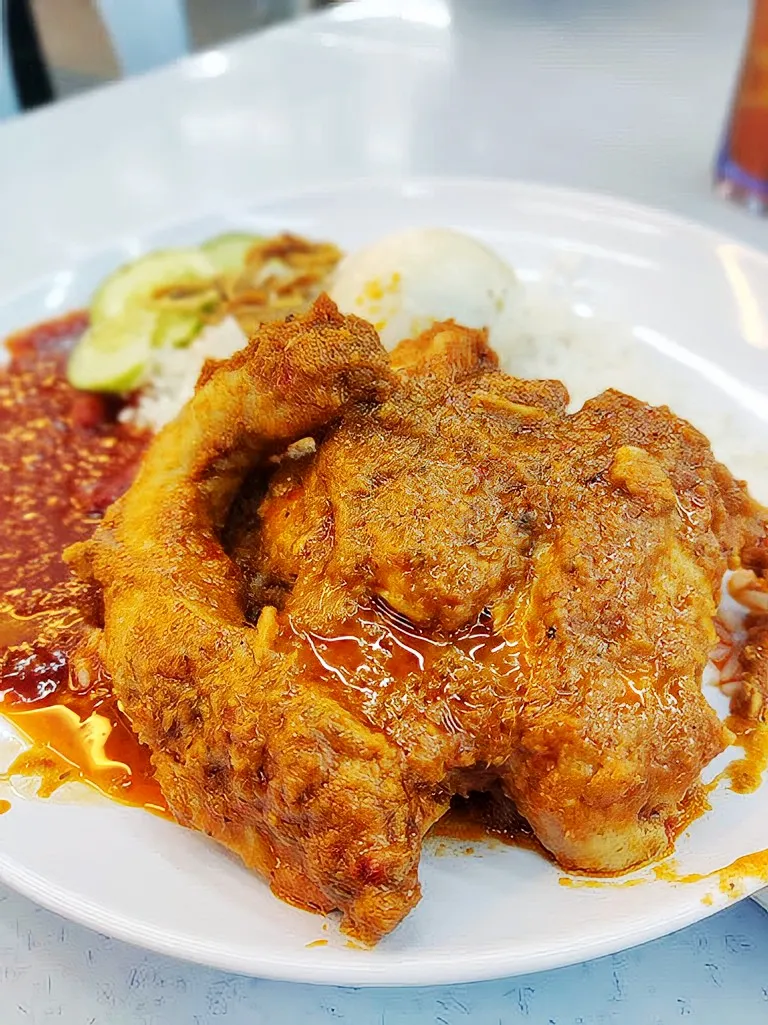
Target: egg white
x,y
405,282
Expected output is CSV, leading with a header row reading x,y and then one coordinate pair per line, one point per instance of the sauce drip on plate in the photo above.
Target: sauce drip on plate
x,y
745,774
63,458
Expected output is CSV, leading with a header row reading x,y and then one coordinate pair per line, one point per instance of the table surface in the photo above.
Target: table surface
x,y
626,98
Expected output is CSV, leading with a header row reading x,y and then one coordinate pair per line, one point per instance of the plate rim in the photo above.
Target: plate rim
x,y
398,185
410,971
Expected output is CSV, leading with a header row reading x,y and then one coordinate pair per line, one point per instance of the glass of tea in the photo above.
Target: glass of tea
x,y
741,168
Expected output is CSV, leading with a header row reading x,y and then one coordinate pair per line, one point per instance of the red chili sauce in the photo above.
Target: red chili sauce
x,y
64,457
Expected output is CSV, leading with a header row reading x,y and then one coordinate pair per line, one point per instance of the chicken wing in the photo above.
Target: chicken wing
x,y
243,747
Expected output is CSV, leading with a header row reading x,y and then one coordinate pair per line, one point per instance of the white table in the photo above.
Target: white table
x,y
625,98
51,971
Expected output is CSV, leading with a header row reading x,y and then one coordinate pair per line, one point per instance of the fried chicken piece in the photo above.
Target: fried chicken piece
x,y
344,588
419,501
243,747
616,626
597,542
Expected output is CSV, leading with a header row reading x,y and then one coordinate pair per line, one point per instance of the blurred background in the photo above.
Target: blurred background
x,y
75,52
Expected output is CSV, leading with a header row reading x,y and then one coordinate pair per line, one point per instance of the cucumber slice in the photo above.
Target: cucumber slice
x,y
228,252
176,330
112,356
135,282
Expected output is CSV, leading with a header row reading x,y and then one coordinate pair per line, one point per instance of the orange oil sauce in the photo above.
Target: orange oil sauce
x,y
745,774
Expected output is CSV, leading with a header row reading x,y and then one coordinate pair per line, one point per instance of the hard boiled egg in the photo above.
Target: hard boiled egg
x,y
405,282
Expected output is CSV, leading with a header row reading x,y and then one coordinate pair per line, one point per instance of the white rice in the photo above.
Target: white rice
x,y
173,373
557,338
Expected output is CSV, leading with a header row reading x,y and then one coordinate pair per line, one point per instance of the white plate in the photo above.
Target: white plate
x,y
694,305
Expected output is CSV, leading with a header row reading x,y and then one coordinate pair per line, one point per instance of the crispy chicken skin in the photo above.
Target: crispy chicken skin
x,y
243,747
453,585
